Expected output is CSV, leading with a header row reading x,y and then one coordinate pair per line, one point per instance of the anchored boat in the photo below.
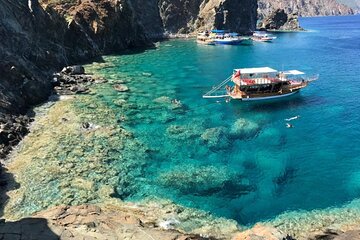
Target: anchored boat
x,y
251,84
262,37
226,38
204,38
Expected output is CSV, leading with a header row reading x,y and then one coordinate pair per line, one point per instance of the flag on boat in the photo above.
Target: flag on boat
x,y
237,74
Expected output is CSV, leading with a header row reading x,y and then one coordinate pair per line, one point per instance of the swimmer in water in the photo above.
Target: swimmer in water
x,y
175,101
227,100
293,118
288,125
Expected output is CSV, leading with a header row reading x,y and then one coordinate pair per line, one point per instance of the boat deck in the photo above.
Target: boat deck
x,y
255,81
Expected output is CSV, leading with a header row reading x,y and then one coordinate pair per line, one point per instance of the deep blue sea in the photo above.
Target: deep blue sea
x,y
238,160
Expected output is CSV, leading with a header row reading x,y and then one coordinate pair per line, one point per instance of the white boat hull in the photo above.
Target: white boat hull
x,y
270,97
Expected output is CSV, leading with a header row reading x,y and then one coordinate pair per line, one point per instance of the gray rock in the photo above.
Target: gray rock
x,y
280,20
121,88
303,8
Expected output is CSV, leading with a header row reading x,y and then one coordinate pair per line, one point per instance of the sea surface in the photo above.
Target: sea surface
x,y
235,159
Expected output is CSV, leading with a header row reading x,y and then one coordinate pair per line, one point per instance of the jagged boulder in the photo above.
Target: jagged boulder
x,y
183,16
205,181
304,8
282,21
74,70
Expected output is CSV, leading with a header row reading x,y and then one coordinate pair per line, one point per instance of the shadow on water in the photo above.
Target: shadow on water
x,y
26,228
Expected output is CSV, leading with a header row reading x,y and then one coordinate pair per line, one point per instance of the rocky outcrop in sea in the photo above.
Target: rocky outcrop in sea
x,y
303,8
279,20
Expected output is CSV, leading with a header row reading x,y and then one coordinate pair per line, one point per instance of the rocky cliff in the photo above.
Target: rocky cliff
x,y
35,40
354,4
303,7
279,20
184,16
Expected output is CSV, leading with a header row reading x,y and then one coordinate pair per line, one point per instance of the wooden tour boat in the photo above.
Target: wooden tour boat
x,y
219,37
251,84
262,37
204,38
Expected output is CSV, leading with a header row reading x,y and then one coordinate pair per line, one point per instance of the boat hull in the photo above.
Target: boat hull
x,y
269,97
230,42
206,43
262,40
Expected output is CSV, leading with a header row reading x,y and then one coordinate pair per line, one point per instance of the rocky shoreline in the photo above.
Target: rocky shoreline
x,y
70,81
92,222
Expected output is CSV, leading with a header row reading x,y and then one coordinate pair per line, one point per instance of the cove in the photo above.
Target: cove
x,y
235,160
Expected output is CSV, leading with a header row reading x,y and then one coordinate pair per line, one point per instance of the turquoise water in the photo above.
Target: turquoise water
x,y
238,160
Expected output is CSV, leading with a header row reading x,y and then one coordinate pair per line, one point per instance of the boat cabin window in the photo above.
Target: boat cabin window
x,y
265,88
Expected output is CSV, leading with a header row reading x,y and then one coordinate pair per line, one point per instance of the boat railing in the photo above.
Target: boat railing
x,y
215,89
312,78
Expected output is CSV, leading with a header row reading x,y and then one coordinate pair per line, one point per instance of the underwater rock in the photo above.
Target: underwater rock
x,y
205,181
177,106
100,80
244,128
119,102
163,100
146,74
189,131
121,88
216,138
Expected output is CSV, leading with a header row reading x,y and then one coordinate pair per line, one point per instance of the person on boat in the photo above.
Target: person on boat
x,y
228,89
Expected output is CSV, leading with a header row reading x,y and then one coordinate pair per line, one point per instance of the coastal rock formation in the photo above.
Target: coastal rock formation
x,y
281,21
260,232
181,16
303,8
12,129
354,4
29,50
73,80
159,18
39,39
90,222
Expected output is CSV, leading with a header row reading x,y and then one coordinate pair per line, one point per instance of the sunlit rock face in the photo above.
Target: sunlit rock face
x,y
303,8
280,20
181,16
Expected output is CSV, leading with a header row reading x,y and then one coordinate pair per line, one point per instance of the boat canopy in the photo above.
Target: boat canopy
x,y
293,72
220,31
256,70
